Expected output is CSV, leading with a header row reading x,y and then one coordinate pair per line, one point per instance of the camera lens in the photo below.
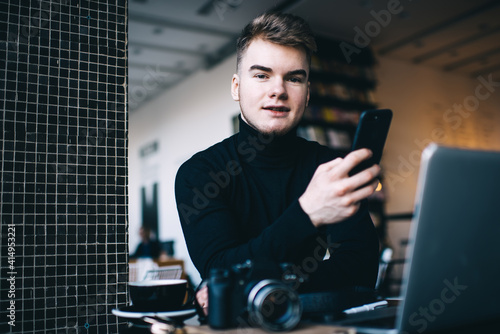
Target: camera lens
x,y
274,306
273,309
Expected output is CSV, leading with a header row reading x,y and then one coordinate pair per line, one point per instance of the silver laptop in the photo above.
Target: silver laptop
x,y
452,278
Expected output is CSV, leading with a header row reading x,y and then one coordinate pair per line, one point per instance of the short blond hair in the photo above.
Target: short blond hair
x,y
280,28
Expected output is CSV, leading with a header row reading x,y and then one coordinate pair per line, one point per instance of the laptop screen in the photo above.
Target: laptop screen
x,y
453,276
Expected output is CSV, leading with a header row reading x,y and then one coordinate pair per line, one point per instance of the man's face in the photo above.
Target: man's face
x,y
271,86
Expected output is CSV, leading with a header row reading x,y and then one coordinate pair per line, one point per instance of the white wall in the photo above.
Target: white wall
x,y
192,116
197,113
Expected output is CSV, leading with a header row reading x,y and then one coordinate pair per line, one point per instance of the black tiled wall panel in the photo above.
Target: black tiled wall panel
x,y
63,165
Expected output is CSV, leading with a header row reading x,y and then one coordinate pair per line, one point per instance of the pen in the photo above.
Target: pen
x,y
366,307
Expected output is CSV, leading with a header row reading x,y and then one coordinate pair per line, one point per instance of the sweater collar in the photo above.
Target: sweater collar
x,y
266,150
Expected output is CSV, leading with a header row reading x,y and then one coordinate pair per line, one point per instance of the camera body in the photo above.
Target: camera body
x,y
255,294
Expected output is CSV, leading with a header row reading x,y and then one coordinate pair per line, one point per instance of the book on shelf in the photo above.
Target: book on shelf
x,y
313,133
331,115
338,139
334,138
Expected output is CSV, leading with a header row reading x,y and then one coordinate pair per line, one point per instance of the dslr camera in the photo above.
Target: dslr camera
x,y
253,294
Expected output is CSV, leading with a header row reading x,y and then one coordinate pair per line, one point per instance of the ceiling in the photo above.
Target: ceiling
x,y
171,39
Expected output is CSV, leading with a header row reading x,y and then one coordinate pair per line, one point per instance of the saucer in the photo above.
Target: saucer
x,y
130,312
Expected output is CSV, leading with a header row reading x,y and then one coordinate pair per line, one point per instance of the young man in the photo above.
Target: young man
x,y
264,192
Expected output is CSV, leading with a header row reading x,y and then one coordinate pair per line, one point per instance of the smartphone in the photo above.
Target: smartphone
x,y
371,133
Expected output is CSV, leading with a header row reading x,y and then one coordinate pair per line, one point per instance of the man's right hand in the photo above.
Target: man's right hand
x,y
332,195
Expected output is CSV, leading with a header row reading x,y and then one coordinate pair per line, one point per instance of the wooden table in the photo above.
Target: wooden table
x,y
301,329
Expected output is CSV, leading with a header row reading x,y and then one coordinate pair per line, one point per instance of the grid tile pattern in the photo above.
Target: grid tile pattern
x,y
63,165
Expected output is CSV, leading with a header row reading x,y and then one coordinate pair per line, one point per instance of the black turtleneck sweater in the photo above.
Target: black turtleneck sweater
x,y
238,200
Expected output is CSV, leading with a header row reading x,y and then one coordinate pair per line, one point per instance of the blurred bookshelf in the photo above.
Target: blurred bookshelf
x,y
341,88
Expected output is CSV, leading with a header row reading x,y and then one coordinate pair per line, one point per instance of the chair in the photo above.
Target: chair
x,y
385,259
133,269
166,272
139,268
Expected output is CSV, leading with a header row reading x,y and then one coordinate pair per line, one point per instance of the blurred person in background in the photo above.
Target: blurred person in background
x,y
148,247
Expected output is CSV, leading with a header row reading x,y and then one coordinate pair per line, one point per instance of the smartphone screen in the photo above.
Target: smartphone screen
x,y
371,133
